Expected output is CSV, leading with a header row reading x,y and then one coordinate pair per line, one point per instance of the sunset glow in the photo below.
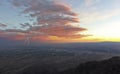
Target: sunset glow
x,y
60,20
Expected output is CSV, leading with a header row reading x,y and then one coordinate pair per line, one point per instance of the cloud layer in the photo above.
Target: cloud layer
x,y
53,18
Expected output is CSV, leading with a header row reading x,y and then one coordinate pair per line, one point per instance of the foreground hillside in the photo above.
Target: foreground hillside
x,y
110,66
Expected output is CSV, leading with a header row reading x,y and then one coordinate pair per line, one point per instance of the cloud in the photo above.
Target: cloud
x,y
24,25
53,19
47,11
57,19
3,25
45,33
11,32
65,31
43,7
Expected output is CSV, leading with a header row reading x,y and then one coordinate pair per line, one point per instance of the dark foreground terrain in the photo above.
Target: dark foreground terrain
x,y
34,61
110,66
79,58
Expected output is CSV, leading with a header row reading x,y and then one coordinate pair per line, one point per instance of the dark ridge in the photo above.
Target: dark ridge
x,y
110,66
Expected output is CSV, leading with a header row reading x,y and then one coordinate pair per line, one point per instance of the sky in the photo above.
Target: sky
x,y
60,20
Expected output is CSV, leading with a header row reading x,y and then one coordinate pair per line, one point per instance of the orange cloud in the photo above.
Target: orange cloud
x,y
54,21
63,31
